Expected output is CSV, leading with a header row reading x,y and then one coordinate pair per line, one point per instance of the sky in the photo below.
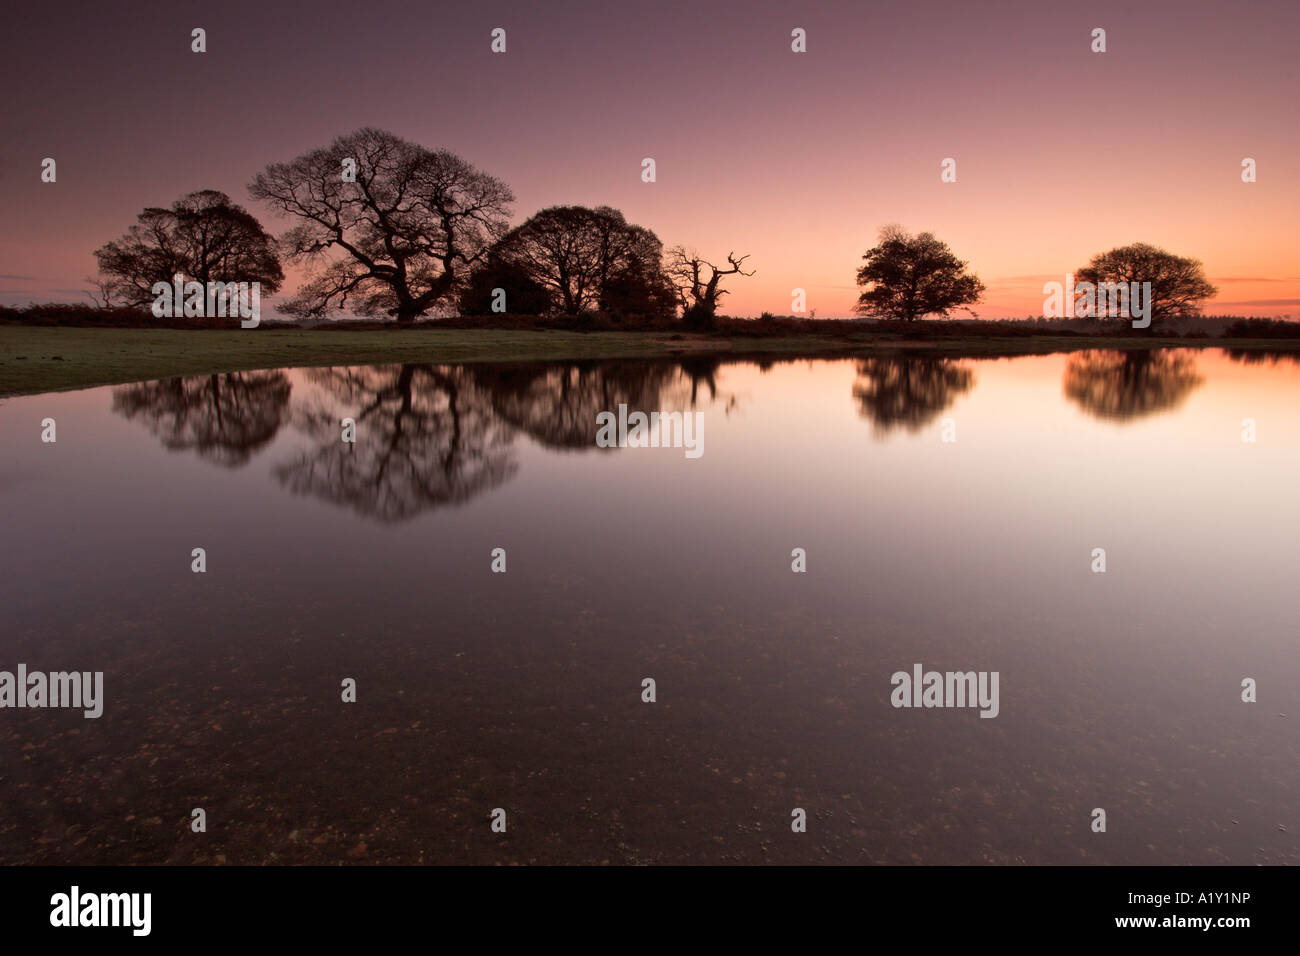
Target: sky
x,y
796,159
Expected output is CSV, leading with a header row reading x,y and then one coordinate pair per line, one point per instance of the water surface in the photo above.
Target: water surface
x,y
523,690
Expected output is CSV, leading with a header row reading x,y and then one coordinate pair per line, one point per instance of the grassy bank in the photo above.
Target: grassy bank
x,y
43,359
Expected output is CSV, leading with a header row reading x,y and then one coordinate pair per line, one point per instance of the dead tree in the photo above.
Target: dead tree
x,y
698,282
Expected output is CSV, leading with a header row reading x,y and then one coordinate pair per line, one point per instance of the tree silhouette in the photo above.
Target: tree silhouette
x,y
1178,284
698,283
398,239
589,259
224,418
1121,386
908,277
203,236
426,437
908,391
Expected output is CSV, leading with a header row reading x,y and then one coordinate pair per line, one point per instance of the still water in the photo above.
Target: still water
x,y
523,690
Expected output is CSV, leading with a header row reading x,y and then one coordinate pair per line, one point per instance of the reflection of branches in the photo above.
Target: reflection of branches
x,y
908,391
426,436
225,418
557,404
1120,386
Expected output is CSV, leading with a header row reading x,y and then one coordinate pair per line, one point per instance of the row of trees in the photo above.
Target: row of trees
x,y
383,226
909,277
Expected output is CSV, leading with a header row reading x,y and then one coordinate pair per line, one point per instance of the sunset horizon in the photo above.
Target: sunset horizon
x,y
796,160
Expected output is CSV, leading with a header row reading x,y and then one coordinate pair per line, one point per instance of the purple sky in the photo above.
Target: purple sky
x,y
796,159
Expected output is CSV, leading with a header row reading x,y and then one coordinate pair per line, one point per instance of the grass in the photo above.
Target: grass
x,y
42,358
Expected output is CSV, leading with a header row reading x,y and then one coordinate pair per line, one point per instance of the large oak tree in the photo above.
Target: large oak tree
x,y
397,240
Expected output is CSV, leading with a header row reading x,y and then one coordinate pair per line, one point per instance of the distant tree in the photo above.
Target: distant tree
x,y
523,295
400,239
697,282
203,236
102,292
587,258
908,277
1178,284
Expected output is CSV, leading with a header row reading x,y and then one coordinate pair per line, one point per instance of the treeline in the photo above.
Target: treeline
x,y
385,228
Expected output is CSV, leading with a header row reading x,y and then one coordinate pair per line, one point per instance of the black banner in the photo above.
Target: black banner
x,y
332,905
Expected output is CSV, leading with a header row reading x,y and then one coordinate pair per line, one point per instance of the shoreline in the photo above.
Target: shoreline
x,y
39,359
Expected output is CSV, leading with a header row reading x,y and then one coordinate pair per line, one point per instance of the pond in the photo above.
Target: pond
x,y
948,515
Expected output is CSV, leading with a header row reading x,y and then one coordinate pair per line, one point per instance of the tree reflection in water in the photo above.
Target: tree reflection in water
x,y
427,436
556,403
224,418
908,391
1122,386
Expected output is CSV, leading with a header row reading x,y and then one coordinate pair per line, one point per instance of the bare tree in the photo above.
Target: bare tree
x,y
387,225
100,293
697,281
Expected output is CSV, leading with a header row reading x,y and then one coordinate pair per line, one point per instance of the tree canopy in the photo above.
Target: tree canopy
x,y
1178,284
203,236
591,259
908,277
